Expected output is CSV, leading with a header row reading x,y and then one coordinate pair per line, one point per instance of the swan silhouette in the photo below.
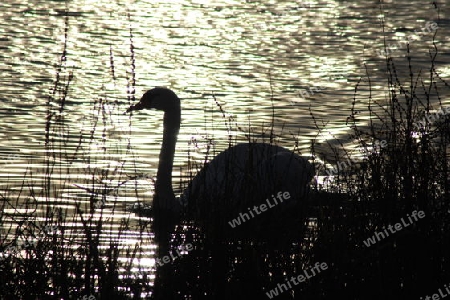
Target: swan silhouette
x,y
227,187
238,178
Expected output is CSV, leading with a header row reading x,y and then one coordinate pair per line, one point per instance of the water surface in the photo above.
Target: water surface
x,y
251,57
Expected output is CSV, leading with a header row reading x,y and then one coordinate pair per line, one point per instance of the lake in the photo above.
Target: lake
x,y
264,62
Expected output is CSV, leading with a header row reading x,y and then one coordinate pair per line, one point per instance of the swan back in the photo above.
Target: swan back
x,y
246,175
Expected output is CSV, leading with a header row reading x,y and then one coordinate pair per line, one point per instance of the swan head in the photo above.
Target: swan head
x,y
158,98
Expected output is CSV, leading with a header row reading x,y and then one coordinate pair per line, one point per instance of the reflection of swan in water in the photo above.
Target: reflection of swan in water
x,y
238,178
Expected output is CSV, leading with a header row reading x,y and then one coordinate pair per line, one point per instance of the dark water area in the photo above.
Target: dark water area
x,y
74,165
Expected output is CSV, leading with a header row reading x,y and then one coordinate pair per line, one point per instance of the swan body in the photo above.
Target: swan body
x,y
244,176
235,180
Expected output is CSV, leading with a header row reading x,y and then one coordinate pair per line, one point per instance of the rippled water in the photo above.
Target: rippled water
x,y
250,55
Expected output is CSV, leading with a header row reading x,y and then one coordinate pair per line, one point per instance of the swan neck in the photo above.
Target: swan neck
x,y
172,120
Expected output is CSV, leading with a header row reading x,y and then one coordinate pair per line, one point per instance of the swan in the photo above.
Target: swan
x,y
229,186
233,182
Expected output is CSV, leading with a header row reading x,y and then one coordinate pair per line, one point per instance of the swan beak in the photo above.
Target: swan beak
x,y
137,106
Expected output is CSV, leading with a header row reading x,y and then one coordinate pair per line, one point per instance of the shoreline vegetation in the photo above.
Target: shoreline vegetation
x,y
98,250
